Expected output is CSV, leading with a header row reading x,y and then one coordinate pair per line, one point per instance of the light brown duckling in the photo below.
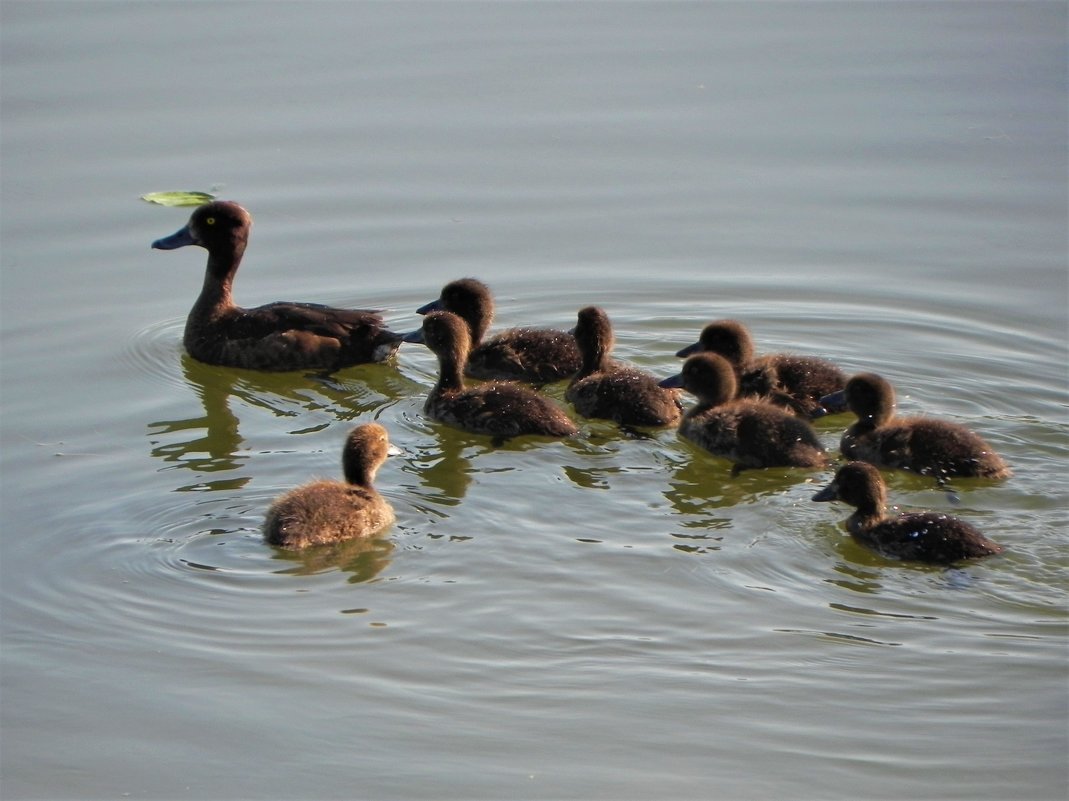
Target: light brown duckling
x,y
924,445
324,512
917,536
749,432
611,391
793,382
501,409
535,355
278,336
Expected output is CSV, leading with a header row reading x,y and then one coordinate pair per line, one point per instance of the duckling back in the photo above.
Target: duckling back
x,y
754,434
534,355
926,537
500,409
324,512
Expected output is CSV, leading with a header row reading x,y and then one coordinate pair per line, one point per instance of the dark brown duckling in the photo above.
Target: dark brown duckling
x,y
924,445
324,512
611,391
501,409
278,336
916,536
535,355
749,432
796,383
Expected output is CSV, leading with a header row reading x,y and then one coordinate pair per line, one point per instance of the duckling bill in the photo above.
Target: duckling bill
x,y
277,336
918,536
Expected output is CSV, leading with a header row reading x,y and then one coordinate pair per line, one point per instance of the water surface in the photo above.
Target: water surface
x,y
613,617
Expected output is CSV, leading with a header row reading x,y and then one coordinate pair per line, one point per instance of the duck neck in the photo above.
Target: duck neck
x,y
859,429
357,472
867,514
477,320
702,405
215,294
478,324
595,359
450,373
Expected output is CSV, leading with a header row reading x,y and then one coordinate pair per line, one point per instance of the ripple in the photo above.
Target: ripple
x,y
156,351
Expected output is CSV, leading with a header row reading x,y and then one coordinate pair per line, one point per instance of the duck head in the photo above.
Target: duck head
x,y
219,226
708,376
729,338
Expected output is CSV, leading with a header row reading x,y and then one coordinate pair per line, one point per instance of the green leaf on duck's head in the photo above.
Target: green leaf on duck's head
x,y
178,198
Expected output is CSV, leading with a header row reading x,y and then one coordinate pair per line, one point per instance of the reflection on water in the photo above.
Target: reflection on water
x,y
857,610
216,442
216,439
363,558
707,482
823,174
443,469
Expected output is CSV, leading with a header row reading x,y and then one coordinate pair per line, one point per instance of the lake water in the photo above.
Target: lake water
x,y
882,184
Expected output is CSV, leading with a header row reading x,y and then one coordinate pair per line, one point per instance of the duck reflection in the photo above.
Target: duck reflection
x,y
702,482
363,558
443,469
208,443
212,442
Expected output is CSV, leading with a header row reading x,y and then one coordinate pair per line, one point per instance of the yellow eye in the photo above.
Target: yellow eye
x,y
210,221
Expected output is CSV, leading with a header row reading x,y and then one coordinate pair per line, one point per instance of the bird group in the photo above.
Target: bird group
x,y
752,410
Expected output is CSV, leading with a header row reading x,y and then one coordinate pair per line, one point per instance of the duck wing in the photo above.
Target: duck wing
x,y
293,336
313,318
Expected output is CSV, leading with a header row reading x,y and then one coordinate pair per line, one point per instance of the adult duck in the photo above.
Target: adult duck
x,y
924,445
916,536
278,336
793,382
606,390
534,355
501,409
324,512
749,432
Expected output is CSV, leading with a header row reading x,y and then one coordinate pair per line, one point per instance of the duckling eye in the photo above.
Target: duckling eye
x,y
210,221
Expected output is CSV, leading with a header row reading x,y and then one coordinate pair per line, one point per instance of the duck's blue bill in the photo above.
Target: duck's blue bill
x,y
427,308
835,402
689,350
176,240
829,493
672,382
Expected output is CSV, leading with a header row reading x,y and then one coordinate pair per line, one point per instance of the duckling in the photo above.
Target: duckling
x,y
534,355
795,383
625,395
917,536
749,432
323,512
501,409
924,445
278,336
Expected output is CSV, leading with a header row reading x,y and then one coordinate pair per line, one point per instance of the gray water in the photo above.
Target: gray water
x,y
882,184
